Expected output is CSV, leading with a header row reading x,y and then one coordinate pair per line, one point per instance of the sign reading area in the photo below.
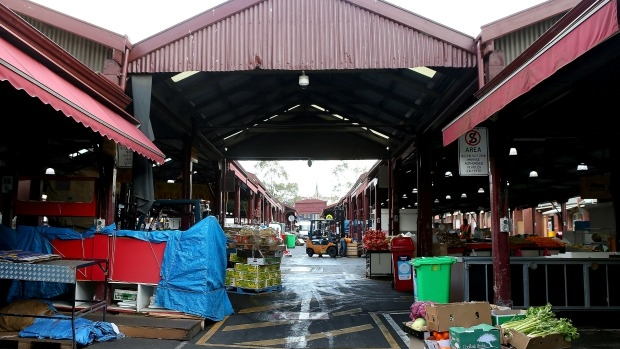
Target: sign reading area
x,y
474,153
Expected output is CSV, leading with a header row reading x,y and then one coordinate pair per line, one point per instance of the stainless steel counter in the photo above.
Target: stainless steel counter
x,y
565,283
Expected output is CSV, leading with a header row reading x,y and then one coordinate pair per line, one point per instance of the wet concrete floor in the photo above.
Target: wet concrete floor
x,y
330,303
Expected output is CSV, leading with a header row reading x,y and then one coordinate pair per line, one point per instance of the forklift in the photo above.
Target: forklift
x,y
324,237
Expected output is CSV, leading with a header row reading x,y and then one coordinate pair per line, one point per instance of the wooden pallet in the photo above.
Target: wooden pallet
x,y
156,325
252,291
13,340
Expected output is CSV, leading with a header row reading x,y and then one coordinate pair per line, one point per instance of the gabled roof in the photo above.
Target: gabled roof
x,y
70,24
296,34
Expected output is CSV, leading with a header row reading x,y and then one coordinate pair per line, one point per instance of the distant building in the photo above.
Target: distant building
x,y
310,208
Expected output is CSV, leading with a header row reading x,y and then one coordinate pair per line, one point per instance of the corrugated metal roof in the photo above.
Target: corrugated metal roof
x,y
299,35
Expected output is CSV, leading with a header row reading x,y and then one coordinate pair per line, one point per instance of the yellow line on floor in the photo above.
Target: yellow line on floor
x,y
347,312
264,308
211,331
238,346
257,325
311,337
385,331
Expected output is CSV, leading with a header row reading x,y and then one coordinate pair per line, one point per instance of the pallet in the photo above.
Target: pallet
x,y
155,325
13,340
252,291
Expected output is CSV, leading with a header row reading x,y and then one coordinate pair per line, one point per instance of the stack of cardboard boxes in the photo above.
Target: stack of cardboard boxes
x,y
473,325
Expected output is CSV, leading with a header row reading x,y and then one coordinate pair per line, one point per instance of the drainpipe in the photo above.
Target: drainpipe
x,y
123,82
481,81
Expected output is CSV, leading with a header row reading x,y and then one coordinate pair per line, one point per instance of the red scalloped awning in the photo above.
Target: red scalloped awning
x,y
26,73
595,26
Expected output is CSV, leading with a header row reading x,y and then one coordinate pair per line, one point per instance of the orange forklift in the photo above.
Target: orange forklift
x,y
324,237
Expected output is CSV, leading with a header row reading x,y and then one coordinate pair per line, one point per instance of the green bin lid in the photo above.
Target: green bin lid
x,y
432,260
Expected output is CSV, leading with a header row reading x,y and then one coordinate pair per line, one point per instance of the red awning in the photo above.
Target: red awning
x,y
593,27
26,73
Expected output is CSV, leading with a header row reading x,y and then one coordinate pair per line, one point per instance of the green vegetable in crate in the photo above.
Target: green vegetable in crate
x,y
541,321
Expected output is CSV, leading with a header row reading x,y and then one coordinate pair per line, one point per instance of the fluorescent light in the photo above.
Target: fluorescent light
x,y
428,72
183,75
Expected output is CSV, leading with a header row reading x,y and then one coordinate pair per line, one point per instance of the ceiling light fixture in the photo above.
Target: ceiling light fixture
x,y
448,174
533,174
464,196
582,167
448,197
513,151
309,162
405,196
50,171
481,190
436,201
414,191
304,80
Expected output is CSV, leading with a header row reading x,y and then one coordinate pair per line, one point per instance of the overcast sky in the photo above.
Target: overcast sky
x,y
151,17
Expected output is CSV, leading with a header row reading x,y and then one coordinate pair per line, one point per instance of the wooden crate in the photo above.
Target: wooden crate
x,y
354,249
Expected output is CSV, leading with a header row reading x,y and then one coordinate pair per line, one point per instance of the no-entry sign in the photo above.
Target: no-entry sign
x,y
474,153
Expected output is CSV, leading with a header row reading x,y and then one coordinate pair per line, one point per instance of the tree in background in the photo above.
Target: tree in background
x,y
347,176
275,179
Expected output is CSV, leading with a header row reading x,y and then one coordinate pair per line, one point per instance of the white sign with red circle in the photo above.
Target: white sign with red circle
x,y
474,153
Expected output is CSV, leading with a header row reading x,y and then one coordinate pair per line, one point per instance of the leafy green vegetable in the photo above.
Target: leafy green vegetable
x,y
541,321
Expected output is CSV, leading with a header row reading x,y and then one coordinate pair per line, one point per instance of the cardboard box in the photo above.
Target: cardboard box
x,y
440,249
416,343
440,317
481,336
519,340
434,344
499,317
125,295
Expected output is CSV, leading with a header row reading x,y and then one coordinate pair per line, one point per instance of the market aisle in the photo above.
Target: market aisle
x,y
329,303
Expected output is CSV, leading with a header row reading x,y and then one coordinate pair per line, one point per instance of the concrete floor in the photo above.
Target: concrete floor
x,y
330,303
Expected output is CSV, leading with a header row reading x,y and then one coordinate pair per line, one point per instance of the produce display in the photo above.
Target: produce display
x,y
253,235
451,240
535,242
541,321
454,325
375,240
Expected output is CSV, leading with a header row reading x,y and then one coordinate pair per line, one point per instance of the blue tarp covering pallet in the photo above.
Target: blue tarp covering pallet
x,y
193,272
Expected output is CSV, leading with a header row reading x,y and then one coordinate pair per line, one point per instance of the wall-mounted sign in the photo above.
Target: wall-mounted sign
x,y
474,153
125,157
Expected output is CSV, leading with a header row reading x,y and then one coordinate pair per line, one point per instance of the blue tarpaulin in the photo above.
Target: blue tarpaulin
x,y
59,327
193,272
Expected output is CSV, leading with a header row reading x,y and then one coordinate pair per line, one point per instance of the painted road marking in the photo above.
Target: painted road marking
x,y
310,337
287,315
278,342
347,312
256,325
385,331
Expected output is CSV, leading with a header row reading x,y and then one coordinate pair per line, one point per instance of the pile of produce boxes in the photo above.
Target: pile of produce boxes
x,y
480,325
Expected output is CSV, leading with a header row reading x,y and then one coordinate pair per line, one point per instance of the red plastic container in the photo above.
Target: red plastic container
x,y
402,248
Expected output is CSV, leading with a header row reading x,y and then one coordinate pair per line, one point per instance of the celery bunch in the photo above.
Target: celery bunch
x,y
541,321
